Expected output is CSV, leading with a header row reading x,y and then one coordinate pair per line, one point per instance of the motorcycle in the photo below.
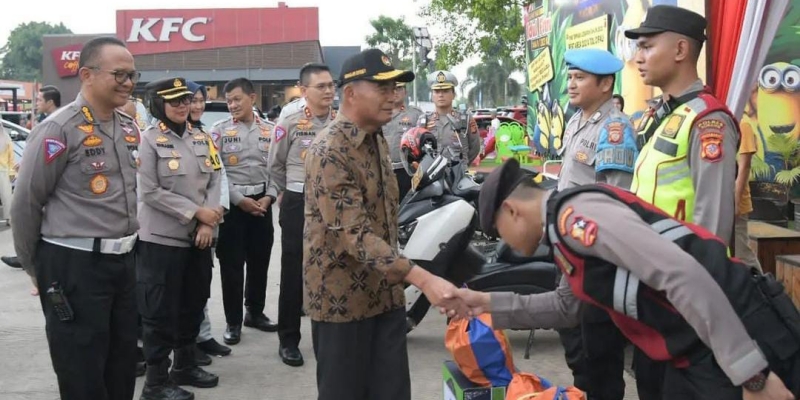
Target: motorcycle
x,y
437,221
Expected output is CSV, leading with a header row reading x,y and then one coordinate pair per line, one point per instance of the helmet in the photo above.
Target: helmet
x,y
412,147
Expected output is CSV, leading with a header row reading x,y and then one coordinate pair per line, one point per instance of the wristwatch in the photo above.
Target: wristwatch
x,y
757,382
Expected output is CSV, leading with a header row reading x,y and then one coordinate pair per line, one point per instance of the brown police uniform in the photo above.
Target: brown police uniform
x,y
352,268
243,238
403,119
293,136
84,172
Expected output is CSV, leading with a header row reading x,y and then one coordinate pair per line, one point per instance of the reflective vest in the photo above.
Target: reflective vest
x,y
662,176
646,316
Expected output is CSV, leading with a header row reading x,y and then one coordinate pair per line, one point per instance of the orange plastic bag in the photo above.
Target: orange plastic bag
x,y
523,385
482,354
554,393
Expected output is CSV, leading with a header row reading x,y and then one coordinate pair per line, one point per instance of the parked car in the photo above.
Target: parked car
x,y
484,121
519,113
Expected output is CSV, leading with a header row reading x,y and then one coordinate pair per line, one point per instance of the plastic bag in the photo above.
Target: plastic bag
x,y
482,354
553,393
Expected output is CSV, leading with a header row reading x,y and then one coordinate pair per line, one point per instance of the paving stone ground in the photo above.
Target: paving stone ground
x,y
254,370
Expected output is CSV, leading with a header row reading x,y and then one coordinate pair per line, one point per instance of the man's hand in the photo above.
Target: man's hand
x,y
204,236
441,294
773,390
208,216
476,303
252,207
265,202
35,289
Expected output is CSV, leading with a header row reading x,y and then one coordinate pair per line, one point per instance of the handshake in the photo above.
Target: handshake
x,y
454,302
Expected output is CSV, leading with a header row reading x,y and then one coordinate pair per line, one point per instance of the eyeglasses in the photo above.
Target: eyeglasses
x,y
121,76
180,100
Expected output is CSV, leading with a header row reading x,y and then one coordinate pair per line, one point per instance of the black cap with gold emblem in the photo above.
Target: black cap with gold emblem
x,y
372,65
497,187
168,88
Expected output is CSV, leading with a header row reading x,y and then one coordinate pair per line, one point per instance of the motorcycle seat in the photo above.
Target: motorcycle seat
x,y
467,189
506,254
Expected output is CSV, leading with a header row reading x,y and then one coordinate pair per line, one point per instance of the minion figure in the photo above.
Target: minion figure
x,y
778,108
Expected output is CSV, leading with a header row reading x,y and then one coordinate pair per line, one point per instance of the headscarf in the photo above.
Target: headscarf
x,y
194,87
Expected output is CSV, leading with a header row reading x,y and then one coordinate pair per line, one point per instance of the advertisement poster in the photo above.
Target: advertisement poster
x,y
773,111
554,26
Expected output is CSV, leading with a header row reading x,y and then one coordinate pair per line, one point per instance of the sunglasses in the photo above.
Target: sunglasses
x,y
186,100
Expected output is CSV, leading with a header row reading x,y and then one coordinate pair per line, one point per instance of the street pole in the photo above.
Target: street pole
x,y
414,68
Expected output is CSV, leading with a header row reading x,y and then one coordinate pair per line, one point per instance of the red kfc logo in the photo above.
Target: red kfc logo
x,y
66,59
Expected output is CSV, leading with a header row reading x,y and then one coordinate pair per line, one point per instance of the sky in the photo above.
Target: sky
x,y
342,22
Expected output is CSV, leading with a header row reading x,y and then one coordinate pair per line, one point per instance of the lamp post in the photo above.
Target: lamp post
x,y
422,45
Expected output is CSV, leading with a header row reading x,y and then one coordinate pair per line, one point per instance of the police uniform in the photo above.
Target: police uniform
x,y
293,136
177,179
292,107
245,238
454,130
687,166
600,149
713,322
84,171
403,119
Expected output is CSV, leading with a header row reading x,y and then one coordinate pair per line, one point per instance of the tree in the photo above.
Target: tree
x,y
22,54
486,28
396,39
492,85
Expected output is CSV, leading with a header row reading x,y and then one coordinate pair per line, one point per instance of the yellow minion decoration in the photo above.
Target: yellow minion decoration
x,y
549,129
778,108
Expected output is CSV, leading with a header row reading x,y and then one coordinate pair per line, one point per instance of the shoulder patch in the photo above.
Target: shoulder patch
x,y
584,231
673,126
615,132
280,133
711,146
562,219
52,149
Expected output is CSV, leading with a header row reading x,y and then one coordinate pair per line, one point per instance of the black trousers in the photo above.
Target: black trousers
x,y
172,286
290,301
403,181
363,360
244,239
595,352
94,355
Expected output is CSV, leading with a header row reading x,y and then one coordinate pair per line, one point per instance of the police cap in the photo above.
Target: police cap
x,y
496,188
593,61
664,18
168,88
372,65
442,80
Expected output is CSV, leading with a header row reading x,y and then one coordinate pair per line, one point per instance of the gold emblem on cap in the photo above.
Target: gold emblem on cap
x,y
177,83
440,78
386,61
173,164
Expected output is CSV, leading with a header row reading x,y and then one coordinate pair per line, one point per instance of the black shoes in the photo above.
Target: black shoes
x,y
186,372
233,334
158,386
213,348
12,262
291,356
260,322
201,358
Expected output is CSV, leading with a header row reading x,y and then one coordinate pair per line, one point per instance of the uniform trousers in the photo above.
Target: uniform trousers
x,y
290,301
595,352
205,327
244,239
403,182
94,355
362,360
172,287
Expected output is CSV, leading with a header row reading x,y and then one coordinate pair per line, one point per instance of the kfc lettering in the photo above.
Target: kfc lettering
x,y
66,59
143,30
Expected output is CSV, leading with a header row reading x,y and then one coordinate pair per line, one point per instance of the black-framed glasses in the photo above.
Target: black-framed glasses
x,y
121,76
186,100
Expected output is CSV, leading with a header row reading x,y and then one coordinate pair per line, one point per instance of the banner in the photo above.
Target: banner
x,y
552,27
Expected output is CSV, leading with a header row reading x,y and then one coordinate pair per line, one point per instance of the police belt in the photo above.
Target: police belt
x,y
251,190
296,187
97,245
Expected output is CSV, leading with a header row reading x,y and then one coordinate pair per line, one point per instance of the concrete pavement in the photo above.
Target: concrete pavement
x,y
254,370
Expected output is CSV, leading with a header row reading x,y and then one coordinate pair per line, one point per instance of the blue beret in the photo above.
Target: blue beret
x,y
593,61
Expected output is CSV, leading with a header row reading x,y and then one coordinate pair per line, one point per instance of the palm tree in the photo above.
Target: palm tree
x,y
491,82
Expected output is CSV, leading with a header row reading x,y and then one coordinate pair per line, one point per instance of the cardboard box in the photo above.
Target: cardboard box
x,y
458,387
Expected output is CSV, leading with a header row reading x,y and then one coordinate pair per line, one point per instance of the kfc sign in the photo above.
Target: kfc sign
x,y
142,29
66,59
169,31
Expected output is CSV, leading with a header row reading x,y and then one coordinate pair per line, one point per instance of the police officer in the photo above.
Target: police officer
x,y
80,164
600,146
246,236
293,136
456,131
688,165
179,209
403,118
668,286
